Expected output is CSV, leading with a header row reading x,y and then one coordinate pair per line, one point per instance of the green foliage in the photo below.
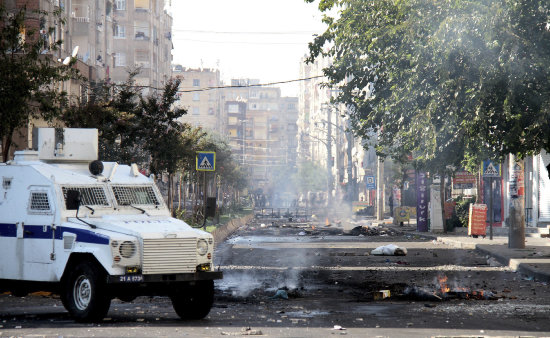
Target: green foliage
x,y
310,177
450,82
111,108
29,76
461,212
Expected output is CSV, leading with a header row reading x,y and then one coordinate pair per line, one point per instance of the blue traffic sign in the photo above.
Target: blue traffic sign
x,y
371,182
206,161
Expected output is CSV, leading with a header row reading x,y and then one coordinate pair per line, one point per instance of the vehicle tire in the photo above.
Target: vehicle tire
x,y
84,293
194,302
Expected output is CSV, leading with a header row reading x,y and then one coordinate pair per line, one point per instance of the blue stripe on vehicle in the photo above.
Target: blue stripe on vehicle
x,y
84,236
37,232
8,230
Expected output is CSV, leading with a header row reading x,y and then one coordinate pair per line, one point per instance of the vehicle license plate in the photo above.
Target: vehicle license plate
x,y
131,278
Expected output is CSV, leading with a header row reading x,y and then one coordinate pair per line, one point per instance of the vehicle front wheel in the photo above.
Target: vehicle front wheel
x,y
84,295
194,302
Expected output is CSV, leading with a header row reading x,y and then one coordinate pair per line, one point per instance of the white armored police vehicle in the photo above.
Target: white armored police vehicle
x,y
93,231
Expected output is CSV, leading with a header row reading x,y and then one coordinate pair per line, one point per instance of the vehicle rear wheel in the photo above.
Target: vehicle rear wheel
x,y
84,294
194,302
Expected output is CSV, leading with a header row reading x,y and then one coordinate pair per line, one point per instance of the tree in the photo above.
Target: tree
x,y
111,109
450,82
30,80
310,177
158,130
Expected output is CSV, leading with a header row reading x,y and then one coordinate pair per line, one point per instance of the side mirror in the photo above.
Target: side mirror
x,y
72,200
548,170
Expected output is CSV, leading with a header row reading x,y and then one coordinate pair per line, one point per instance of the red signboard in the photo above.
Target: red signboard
x,y
477,220
463,177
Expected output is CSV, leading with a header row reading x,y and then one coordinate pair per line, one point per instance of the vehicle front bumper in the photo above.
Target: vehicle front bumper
x,y
165,278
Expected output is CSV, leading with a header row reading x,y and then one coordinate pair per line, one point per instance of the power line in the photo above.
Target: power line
x,y
242,32
241,42
245,86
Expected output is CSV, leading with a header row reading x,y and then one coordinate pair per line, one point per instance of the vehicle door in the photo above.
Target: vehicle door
x,y
38,229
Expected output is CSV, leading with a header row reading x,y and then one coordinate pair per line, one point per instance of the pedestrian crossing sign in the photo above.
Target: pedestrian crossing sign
x,y
206,161
491,169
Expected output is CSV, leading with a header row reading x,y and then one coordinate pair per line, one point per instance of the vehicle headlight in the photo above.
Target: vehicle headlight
x,y
202,247
127,249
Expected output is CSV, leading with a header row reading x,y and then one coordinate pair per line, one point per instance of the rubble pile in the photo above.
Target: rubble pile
x,y
373,231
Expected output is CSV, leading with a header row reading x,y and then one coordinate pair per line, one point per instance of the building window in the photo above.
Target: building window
x,y
196,83
142,59
233,108
141,5
196,97
120,32
120,59
142,30
120,5
196,111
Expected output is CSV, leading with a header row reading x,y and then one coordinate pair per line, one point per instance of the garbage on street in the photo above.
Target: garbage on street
x,y
389,250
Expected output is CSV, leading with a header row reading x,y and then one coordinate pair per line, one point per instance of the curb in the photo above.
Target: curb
x,y
515,264
224,231
523,266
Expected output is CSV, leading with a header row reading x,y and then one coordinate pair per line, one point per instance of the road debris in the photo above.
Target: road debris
x,y
280,294
493,262
389,250
245,331
382,294
366,230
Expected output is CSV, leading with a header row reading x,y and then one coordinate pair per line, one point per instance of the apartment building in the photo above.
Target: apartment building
x,y
261,127
198,96
117,35
108,37
324,136
142,37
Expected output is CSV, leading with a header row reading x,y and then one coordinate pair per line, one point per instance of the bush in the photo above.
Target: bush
x,y
461,212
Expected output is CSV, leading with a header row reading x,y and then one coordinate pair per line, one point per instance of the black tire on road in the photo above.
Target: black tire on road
x,y
84,293
194,302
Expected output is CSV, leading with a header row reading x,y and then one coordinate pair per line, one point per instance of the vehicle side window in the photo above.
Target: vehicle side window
x,y
39,203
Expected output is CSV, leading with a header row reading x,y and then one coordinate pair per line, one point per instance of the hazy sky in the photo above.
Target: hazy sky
x,y
257,39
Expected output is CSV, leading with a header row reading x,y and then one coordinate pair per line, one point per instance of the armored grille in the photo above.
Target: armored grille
x,y
127,195
169,255
89,195
39,201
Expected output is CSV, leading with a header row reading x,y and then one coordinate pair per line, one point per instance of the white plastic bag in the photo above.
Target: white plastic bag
x,y
389,250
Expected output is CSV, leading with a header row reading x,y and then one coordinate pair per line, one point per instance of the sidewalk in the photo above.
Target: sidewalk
x,y
533,261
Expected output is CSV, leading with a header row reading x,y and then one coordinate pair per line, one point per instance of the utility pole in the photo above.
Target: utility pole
x,y
380,190
352,194
516,234
244,138
329,156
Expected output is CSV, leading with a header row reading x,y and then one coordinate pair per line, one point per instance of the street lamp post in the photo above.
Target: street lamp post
x,y
329,155
243,122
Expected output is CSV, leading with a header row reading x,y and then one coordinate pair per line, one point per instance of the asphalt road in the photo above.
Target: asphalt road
x,y
331,281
